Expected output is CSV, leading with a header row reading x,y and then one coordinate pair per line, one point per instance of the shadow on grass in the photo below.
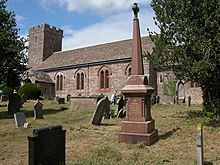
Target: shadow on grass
x,y
207,121
168,134
29,114
106,124
45,112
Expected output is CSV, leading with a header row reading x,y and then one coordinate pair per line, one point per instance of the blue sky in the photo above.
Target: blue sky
x,y
85,22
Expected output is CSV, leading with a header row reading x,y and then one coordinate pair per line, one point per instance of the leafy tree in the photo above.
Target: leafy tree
x,y
12,48
189,44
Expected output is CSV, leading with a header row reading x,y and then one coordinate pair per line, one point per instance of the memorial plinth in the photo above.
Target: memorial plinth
x,y
138,125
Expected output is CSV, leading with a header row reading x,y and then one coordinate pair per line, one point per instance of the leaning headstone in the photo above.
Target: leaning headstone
x,y
121,104
38,110
19,119
103,108
14,104
47,146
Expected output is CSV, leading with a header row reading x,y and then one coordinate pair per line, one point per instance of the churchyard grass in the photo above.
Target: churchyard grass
x,y
89,144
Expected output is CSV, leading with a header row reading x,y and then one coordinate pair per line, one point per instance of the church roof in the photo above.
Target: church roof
x,y
94,54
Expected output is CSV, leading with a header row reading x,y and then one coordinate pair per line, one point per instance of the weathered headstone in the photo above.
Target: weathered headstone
x,y
19,119
38,110
4,98
47,146
61,100
103,108
121,104
14,104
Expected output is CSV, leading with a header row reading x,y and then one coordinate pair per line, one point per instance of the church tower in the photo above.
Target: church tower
x,y
44,40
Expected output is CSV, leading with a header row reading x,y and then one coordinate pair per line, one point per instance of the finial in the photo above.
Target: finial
x,y
135,8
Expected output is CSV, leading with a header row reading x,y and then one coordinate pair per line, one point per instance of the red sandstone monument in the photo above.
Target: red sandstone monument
x,y
138,125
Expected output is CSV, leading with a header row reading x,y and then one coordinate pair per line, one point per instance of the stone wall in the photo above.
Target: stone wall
x,y
82,103
196,95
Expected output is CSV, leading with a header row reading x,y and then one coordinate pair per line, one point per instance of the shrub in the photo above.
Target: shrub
x,y
7,90
153,99
31,90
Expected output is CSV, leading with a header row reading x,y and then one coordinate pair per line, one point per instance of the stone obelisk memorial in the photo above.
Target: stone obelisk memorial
x,y
138,125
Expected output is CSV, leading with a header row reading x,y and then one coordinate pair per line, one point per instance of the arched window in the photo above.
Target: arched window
x,y
80,81
129,72
104,79
77,81
57,82
61,82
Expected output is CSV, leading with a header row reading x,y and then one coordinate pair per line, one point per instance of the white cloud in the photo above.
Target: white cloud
x,y
19,18
97,6
114,28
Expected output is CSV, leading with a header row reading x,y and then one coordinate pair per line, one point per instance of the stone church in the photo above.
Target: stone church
x,y
90,71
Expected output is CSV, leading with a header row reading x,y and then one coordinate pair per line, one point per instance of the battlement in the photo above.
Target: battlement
x,y
44,27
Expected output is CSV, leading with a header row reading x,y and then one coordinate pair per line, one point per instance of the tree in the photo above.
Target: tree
x,y
12,49
189,44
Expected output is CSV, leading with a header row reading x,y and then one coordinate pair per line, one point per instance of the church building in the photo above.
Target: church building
x,y
90,71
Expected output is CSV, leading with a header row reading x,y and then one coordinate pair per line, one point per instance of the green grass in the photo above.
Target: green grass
x,y
87,144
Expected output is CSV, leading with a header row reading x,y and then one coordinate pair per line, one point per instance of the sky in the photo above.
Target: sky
x,y
84,22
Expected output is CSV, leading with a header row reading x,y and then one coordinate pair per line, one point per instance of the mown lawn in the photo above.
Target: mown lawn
x,y
88,144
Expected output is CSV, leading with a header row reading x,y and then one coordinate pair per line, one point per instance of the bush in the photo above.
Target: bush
x,y
153,99
7,90
31,90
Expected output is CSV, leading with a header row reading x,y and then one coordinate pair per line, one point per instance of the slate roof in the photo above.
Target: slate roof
x,y
104,52
37,76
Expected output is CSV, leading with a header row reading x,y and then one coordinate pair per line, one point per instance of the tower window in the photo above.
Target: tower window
x,y
35,39
52,40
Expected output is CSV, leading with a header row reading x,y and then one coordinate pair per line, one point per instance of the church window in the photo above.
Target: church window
x,y
161,79
59,82
104,79
80,81
129,72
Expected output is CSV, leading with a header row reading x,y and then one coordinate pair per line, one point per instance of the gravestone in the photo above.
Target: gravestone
x,y
38,110
14,104
103,108
68,97
47,146
19,119
121,104
4,98
138,125
61,100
